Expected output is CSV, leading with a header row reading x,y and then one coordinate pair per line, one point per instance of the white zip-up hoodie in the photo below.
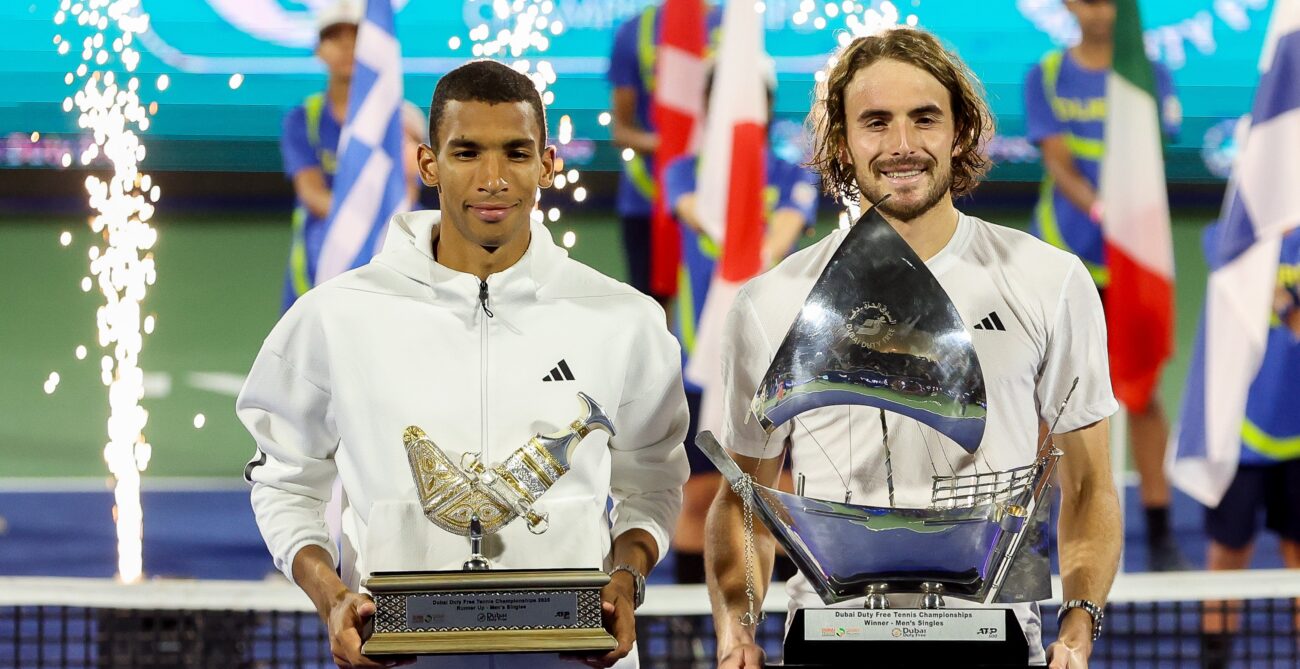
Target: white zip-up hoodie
x,y
406,341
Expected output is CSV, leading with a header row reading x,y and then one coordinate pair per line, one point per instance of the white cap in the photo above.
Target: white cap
x,y
342,11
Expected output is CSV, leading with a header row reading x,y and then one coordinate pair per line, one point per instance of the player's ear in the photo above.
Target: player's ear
x,y
547,176
426,160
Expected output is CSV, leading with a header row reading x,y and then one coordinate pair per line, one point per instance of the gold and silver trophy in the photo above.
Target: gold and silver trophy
x,y
479,609
877,330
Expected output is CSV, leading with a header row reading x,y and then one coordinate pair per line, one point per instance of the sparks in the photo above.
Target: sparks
x,y
124,267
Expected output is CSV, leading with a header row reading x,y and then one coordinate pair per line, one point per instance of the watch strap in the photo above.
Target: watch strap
x,y
638,593
1094,611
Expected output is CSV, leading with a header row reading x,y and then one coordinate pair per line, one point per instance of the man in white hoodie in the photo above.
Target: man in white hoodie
x,y
457,326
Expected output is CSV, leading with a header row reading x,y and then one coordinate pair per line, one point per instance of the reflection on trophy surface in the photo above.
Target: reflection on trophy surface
x,y
478,609
878,330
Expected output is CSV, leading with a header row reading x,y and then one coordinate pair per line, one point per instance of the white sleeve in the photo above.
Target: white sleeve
x,y
293,471
648,461
1076,347
746,354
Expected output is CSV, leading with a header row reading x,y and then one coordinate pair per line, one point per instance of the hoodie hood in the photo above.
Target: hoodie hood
x,y
408,250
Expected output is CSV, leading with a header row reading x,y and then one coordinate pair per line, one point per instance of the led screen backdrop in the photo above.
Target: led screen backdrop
x,y
233,67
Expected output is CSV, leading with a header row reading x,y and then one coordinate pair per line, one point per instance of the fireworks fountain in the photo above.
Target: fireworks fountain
x,y
109,108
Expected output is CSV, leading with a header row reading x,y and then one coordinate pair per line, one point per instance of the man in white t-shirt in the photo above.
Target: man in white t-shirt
x,y
901,117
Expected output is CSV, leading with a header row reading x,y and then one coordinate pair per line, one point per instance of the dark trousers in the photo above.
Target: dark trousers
x,y
636,248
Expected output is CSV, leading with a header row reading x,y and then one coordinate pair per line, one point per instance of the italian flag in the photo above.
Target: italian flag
x,y
1135,222
732,176
676,108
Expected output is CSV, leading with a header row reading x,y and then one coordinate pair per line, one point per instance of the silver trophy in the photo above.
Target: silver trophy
x,y
878,330
479,609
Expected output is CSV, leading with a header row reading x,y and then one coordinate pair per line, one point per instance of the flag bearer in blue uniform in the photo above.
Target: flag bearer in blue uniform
x,y
1065,115
631,76
309,144
790,199
1267,483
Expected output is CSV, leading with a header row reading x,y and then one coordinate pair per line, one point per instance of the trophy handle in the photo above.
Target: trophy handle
x,y
718,456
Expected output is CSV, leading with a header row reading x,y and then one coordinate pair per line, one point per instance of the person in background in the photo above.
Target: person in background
x,y
631,76
790,199
1268,470
309,143
1065,114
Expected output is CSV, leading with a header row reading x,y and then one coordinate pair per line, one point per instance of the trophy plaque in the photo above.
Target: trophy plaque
x,y
878,330
480,609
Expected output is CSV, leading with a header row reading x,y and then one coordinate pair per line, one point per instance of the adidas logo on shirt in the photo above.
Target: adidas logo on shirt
x,y
991,322
560,372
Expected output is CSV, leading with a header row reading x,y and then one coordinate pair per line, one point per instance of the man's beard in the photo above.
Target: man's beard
x,y
895,208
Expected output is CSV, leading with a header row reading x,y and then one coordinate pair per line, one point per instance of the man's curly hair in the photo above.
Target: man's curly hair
x,y
827,121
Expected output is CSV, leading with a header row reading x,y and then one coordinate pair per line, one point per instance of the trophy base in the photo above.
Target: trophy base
x,y
495,611
906,637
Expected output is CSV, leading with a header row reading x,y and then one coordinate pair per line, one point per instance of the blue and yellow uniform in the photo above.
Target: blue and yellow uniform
x,y
632,65
1063,98
1268,470
309,138
789,186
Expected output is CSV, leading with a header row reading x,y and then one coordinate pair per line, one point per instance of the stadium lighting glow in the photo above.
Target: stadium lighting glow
x,y
123,268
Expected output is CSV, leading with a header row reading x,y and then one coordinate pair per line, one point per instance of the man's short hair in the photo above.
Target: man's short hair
x,y
828,123
484,81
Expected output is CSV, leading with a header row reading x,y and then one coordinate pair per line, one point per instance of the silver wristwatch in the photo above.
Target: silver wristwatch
x,y
1090,607
638,595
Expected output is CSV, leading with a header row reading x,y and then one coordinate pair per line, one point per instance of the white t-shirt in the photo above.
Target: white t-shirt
x,y
1048,329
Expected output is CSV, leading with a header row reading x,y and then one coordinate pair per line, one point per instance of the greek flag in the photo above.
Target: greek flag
x,y
1263,203
370,185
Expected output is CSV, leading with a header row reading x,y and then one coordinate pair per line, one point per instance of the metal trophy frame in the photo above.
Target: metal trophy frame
x,y
479,609
878,330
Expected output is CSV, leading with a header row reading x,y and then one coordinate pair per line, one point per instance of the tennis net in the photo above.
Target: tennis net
x,y
1188,619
